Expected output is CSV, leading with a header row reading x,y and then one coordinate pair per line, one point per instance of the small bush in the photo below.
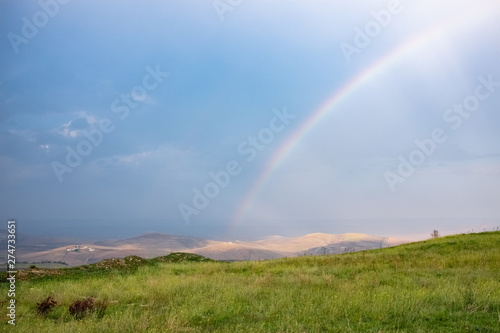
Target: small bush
x,y
46,306
80,308
176,257
32,266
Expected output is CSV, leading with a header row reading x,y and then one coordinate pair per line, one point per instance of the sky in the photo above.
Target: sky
x,y
244,119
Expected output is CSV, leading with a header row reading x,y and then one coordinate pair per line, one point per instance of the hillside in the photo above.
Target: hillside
x,y
448,284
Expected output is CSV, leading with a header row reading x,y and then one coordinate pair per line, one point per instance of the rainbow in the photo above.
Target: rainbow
x,y
344,92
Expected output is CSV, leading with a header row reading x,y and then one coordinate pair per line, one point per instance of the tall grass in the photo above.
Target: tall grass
x,y
449,284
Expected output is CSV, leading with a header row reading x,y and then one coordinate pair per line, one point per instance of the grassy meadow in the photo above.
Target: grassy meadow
x,y
449,284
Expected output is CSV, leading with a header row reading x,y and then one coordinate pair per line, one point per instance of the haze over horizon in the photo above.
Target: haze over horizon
x,y
242,121
95,230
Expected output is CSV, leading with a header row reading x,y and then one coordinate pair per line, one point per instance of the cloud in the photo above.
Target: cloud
x,y
74,128
125,160
89,118
67,130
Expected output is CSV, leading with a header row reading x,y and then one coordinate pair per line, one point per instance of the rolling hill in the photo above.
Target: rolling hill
x,y
74,253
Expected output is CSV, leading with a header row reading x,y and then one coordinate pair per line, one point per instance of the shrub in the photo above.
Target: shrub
x,y
435,234
80,308
46,306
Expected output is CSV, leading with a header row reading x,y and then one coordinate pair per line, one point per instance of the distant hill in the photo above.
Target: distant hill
x,y
75,253
332,243
236,252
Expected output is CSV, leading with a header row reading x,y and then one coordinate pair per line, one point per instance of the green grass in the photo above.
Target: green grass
x,y
449,284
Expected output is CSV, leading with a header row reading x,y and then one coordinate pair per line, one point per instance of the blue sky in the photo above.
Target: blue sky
x,y
195,80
